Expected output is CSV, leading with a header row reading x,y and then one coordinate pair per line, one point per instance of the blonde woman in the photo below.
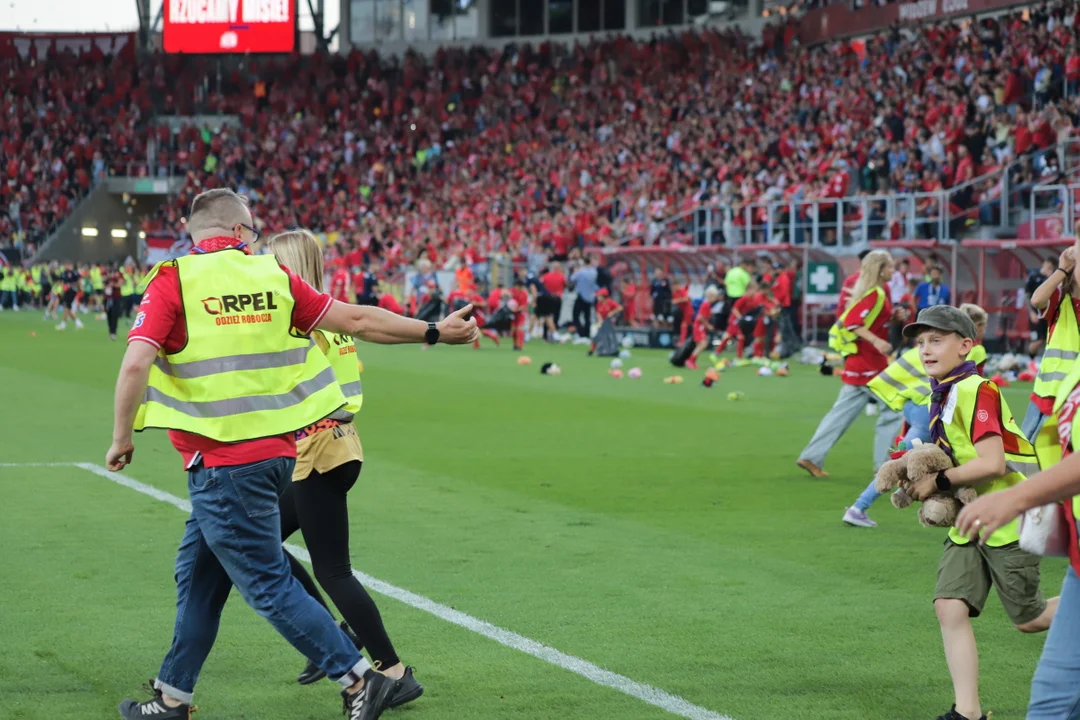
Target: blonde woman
x,y
864,327
328,461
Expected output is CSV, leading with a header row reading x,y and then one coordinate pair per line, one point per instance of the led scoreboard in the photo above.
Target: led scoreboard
x,y
230,26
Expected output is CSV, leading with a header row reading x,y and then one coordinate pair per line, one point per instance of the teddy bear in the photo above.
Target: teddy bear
x,y
938,510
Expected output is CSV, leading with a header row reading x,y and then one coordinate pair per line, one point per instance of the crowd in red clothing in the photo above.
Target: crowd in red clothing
x,y
531,149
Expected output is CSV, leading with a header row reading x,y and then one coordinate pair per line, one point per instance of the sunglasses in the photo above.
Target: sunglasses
x,y
255,233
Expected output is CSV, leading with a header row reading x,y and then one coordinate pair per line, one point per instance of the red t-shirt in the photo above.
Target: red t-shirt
x,y
1066,417
160,322
389,302
987,420
606,308
861,367
845,290
1051,315
555,282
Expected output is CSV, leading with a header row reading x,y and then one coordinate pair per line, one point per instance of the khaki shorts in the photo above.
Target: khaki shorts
x,y
967,571
326,450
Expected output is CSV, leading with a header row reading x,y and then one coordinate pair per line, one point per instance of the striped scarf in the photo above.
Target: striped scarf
x,y
940,394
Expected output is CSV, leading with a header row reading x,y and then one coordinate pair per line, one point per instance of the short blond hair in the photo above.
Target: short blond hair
x,y
299,251
976,313
219,210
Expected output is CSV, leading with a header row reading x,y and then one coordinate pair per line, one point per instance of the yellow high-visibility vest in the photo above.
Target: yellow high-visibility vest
x,y
244,373
1062,351
903,381
958,413
843,340
341,354
977,355
1065,389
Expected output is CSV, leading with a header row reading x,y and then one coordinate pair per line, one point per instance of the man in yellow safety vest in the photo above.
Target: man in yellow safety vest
x,y
228,367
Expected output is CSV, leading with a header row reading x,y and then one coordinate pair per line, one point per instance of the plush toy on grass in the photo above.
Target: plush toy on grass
x,y
907,465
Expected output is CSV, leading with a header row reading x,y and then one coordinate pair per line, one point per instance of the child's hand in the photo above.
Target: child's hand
x,y
924,487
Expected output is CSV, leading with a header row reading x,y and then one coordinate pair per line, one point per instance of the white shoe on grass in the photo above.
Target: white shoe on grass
x,y
858,518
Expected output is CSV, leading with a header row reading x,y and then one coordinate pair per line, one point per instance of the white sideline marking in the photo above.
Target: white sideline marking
x,y
646,693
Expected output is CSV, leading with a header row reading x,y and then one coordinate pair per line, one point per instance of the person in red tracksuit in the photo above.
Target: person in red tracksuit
x,y
683,312
751,302
339,285
389,302
702,326
519,303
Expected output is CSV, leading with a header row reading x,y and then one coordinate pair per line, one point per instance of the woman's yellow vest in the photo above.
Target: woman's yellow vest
x,y
341,354
243,373
843,340
958,415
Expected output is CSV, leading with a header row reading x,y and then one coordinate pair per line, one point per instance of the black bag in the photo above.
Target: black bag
x,y
500,321
432,310
683,353
606,340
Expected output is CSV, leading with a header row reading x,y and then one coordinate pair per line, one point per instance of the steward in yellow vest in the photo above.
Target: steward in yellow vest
x,y
243,373
971,422
841,338
1055,299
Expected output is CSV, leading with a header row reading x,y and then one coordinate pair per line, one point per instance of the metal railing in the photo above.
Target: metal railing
x,y
997,200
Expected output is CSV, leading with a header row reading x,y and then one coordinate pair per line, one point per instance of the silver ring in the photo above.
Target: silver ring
x,y
978,522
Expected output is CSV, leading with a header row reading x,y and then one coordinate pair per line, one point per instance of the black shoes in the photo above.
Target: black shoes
x,y
407,690
369,702
154,708
311,672
953,715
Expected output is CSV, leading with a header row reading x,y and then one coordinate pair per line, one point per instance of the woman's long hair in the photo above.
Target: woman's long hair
x,y
299,251
869,274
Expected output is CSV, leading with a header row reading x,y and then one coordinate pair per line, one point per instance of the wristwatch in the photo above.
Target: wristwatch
x,y
943,482
432,335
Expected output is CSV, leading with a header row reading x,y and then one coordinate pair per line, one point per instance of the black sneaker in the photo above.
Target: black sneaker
x,y
312,673
155,708
369,701
407,690
953,715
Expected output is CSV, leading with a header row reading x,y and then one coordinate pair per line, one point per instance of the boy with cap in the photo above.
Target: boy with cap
x,y
971,422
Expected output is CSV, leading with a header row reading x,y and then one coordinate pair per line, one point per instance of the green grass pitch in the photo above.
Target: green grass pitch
x,y
658,531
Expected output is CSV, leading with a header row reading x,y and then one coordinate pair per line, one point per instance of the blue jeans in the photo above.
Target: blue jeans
x,y
1033,422
1055,689
918,420
233,537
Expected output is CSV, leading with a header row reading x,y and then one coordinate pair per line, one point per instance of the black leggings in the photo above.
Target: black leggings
x,y
318,507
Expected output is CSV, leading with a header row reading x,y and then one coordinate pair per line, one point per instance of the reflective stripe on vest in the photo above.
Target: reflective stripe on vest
x,y
243,373
1061,350
904,380
214,366
1018,464
249,404
843,340
341,352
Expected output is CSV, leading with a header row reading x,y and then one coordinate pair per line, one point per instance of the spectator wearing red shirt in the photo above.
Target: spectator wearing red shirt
x,y
233,478
549,304
870,324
